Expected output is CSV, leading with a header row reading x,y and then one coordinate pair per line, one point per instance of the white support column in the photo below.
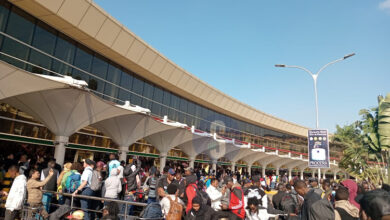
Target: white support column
x,y
250,170
263,170
192,162
214,165
324,174
163,161
301,172
335,174
233,168
277,171
60,144
289,173
313,173
123,153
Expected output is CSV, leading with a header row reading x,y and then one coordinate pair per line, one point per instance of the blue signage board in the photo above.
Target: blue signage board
x,y
318,143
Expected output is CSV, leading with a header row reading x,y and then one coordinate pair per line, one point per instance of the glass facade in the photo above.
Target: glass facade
x,y
130,86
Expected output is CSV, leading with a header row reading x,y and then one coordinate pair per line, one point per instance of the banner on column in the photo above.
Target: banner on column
x,y
318,145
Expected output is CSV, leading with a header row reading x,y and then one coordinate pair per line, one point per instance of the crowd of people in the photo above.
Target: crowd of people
x,y
179,192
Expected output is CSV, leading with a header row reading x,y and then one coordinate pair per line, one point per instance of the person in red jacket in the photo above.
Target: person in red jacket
x,y
234,207
190,191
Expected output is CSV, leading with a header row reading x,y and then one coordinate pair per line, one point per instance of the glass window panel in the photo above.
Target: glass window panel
x,y
113,75
167,102
99,69
148,95
64,50
173,114
21,26
44,39
83,60
138,86
158,97
127,83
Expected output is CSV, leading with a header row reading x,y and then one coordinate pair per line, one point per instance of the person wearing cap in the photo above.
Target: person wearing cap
x,y
85,187
162,185
16,195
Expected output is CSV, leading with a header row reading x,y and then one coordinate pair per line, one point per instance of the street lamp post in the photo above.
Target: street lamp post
x,y
315,78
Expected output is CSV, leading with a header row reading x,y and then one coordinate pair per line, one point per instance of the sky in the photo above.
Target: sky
x,y
233,45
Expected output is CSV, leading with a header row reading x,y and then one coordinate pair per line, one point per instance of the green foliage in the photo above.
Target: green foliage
x,y
367,143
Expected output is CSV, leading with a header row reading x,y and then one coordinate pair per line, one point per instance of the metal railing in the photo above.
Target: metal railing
x,y
127,204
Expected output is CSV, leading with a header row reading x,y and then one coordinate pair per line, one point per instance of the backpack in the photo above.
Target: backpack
x,y
153,210
205,197
344,214
96,183
152,182
175,211
72,182
255,193
289,204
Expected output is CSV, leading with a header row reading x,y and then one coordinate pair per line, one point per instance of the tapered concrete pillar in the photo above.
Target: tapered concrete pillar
x,y
263,171
163,161
277,171
313,173
214,165
250,170
324,174
289,174
192,162
233,168
60,143
123,153
335,174
301,172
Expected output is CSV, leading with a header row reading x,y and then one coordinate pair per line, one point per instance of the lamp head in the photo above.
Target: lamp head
x,y
280,65
349,55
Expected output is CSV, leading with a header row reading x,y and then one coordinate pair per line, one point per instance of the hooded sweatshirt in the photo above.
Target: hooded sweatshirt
x,y
348,207
204,213
113,185
352,188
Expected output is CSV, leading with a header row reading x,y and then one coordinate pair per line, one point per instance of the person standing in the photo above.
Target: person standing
x,y
112,185
51,185
85,187
234,206
16,195
114,163
215,195
309,195
34,191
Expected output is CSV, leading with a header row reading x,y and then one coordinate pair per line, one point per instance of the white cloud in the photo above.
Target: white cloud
x,y
385,5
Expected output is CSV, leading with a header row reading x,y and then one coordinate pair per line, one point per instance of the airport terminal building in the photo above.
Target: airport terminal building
x,y
76,83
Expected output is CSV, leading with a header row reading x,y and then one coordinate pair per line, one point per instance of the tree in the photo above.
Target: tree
x,y
367,143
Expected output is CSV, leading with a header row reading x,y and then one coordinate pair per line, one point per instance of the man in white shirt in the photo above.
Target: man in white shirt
x,y
85,187
215,195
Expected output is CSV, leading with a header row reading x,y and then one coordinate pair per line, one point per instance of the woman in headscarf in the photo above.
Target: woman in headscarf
x,y
352,188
